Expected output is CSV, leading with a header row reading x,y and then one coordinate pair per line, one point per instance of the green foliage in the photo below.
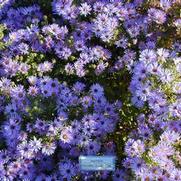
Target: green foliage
x,y
2,33
148,160
38,108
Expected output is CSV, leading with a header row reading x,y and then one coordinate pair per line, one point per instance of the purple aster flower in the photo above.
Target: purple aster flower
x,y
79,87
85,9
40,177
86,101
65,53
80,45
69,68
65,9
48,148
148,56
39,125
92,148
135,163
5,83
79,68
35,144
18,92
11,109
22,136
169,136
13,169
175,174
55,30
45,67
66,135
143,91
144,132
98,6
96,90
67,170
175,109
53,177
26,174
157,15
46,90
49,42
140,70
11,128
165,4
119,175
25,150
100,68
163,53
122,14
166,76
134,148
23,48
150,45
104,27
4,157
23,68
137,101
10,67
123,42
51,130
32,80
33,90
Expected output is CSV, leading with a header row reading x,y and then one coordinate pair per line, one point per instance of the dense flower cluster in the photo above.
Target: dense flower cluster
x,y
78,124
153,159
156,81
58,59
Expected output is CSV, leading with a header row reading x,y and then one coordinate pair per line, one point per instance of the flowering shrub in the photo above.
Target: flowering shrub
x,y
90,78
74,122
